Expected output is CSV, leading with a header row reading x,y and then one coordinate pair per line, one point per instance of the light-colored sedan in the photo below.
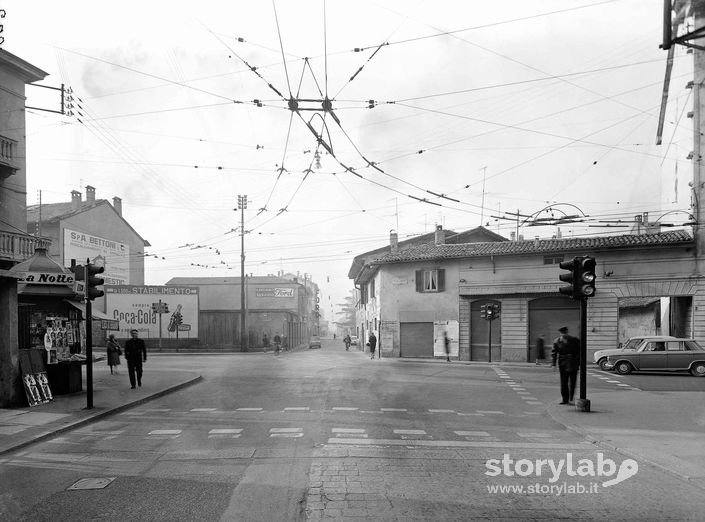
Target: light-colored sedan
x,y
600,356
670,355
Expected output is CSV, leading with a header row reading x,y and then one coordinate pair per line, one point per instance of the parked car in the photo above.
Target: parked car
x,y
314,342
669,355
354,339
600,356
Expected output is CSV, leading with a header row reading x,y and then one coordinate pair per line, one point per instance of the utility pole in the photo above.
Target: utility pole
x,y
698,100
242,205
482,208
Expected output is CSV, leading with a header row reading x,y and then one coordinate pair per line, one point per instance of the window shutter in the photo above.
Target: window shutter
x,y
419,280
441,279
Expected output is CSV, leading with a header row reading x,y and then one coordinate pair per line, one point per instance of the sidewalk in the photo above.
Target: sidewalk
x,y
111,394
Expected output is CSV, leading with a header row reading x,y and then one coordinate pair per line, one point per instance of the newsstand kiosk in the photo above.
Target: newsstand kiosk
x,y
51,329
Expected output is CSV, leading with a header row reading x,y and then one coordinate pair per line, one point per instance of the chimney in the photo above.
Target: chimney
x,y
393,241
90,194
513,236
117,205
440,237
75,200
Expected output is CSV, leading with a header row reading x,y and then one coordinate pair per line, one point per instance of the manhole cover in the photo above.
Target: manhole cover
x,y
92,483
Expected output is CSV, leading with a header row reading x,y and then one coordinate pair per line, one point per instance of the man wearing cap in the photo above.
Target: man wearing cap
x,y
135,354
566,349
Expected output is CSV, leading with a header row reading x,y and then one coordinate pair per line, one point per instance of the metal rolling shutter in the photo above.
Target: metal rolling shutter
x,y
416,339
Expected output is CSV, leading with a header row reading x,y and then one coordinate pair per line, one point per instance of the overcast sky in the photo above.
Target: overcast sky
x,y
546,107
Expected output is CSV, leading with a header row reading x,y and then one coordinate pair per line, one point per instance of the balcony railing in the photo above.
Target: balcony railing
x,y
18,247
8,152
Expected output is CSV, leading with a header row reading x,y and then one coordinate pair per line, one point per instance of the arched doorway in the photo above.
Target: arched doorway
x,y
546,316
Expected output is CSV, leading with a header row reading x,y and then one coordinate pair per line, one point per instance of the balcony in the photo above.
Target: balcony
x,y
18,247
8,153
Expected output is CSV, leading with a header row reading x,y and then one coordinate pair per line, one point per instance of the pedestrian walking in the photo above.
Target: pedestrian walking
x,y
114,352
347,341
265,342
277,343
446,342
566,349
540,348
135,355
372,343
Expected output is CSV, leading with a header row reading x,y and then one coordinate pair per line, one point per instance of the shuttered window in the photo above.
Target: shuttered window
x,y
428,281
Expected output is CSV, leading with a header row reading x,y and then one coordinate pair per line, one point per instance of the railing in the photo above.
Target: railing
x,y
18,247
8,150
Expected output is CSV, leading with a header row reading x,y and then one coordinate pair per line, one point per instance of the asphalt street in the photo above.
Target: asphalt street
x,y
327,433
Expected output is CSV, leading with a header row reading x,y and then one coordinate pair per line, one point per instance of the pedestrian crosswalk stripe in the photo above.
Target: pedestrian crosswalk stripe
x,y
393,409
224,431
472,433
341,408
348,430
202,409
285,430
249,409
533,403
298,408
487,412
165,432
409,432
622,384
614,382
520,392
442,411
459,443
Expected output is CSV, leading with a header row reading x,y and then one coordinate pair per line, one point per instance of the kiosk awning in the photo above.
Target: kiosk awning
x,y
97,314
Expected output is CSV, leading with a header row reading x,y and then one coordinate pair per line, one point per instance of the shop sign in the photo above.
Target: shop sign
x,y
184,327
45,278
274,292
109,324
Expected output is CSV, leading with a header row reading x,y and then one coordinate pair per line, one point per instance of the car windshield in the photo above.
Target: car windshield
x,y
693,346
632,343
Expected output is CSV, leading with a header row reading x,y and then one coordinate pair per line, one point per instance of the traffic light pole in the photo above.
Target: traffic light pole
x,y
489,340
583,404
89,347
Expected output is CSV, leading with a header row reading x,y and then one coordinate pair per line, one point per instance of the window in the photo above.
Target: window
x,y
430,280
552,260
372,289
674,346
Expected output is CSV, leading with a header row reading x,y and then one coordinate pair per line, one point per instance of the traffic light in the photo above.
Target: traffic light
x,y
581,277
79,276
483,311
490,312
570,278
586,276
178,318
496,308
93,282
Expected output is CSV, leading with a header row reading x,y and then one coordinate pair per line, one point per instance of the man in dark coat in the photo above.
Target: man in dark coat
x,y
566,349
135,355
372,341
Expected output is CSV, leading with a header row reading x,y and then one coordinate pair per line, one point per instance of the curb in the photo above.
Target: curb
x,y
98,416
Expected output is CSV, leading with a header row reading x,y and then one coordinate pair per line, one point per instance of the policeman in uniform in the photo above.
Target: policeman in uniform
x,y
566,349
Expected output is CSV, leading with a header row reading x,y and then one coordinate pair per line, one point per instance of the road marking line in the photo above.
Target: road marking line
x,y
522,392
460,443
488,412
532,435
165,432
287,435
224,431
534,403
614,382
622,384
471,414
528,398
348,430
300,408
409,432
202,409
249,409
286,430
342,408
442,411
393,409
472,433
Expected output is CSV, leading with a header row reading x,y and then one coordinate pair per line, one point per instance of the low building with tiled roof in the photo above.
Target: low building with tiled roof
x,y
411,296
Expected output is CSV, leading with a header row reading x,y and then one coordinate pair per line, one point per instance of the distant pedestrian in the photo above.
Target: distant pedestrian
x,y
566,349
540,348
446,342
347,341
114,352
135,355
372,342
265,341
277,343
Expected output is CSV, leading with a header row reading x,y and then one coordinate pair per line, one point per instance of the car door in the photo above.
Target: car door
x,y
679,357
653,356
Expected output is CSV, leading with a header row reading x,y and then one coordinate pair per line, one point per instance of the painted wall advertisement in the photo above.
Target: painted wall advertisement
x,y
132,306
114,255
440,329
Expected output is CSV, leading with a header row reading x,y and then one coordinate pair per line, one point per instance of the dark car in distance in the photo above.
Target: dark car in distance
x,y
670,355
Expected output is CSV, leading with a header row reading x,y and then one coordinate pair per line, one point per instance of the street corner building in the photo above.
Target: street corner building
x,y
412,293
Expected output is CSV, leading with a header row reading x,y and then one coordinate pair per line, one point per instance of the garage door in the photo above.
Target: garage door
x,y
416,339
480,333
546,316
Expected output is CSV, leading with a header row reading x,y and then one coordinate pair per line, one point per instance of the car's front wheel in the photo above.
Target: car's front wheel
x,y
698,369
623,368
602,363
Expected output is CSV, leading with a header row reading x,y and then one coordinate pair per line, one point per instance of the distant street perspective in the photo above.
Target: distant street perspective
x,y
333,434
